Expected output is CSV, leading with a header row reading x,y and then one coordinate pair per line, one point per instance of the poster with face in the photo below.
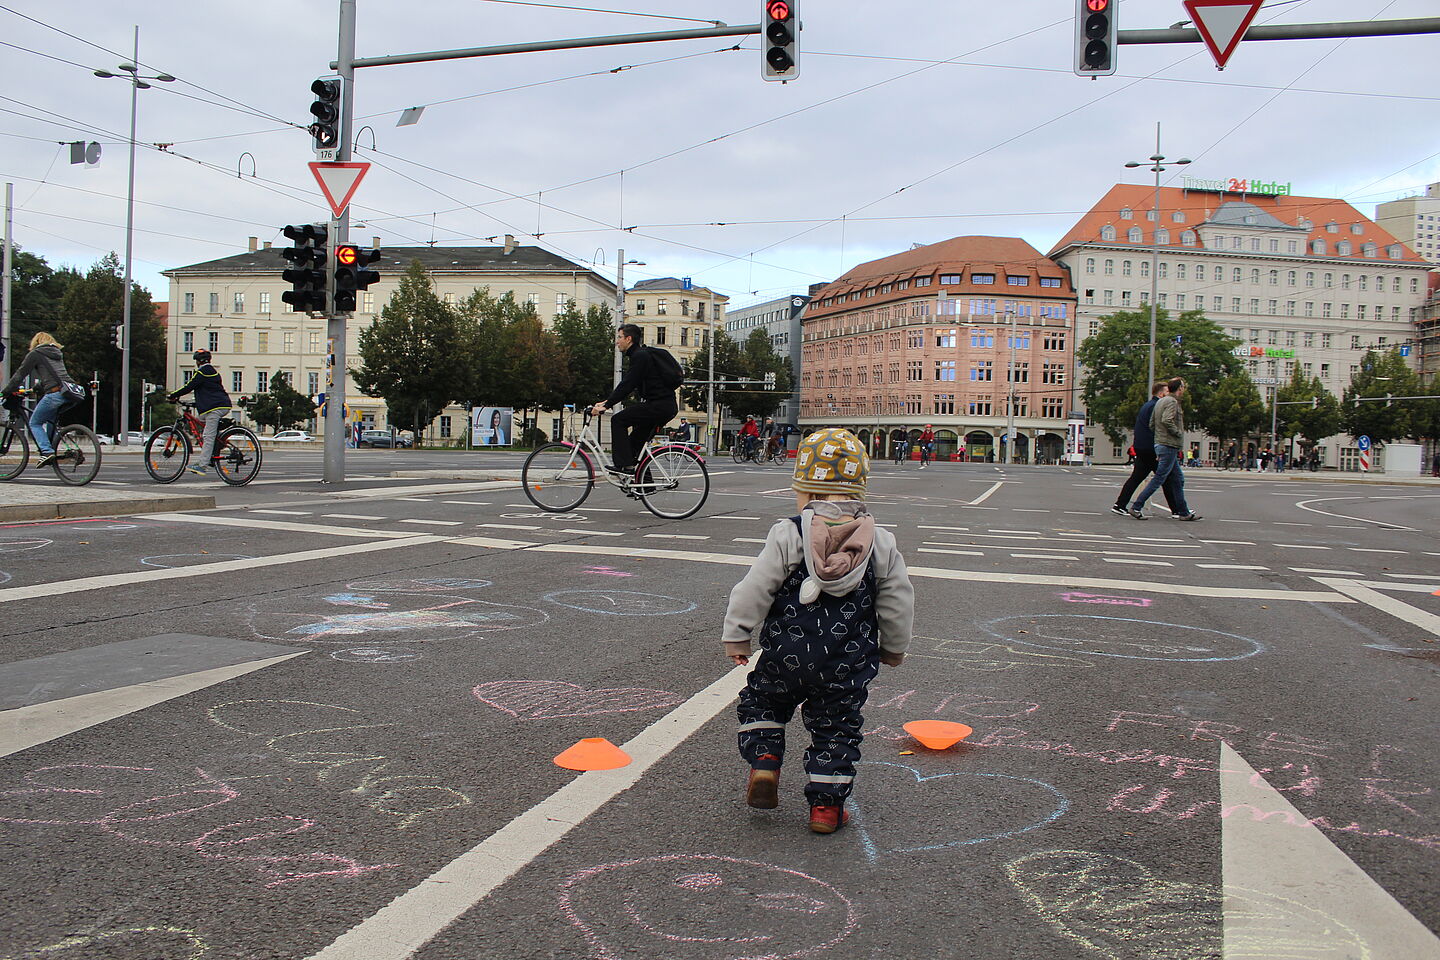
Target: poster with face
x,y
493,426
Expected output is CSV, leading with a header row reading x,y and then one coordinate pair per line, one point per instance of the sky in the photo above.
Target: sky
x,y
912,121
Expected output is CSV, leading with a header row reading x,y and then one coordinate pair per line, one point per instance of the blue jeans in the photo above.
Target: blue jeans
x,y
1167,464
44,418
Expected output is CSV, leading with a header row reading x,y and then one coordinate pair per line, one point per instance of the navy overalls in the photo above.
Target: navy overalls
x,y
822,655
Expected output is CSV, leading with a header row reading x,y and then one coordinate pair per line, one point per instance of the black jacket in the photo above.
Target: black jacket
x,y
642,378
46,364
209,392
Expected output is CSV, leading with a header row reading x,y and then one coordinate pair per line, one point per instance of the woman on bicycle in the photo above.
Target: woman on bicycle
x,y
211,404
46,364
750,434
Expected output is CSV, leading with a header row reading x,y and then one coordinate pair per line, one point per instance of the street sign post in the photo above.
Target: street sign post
x,y
1364,444
1222,23
338,181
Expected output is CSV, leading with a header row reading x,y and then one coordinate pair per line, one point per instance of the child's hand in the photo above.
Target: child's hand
x,y
892,659
740,659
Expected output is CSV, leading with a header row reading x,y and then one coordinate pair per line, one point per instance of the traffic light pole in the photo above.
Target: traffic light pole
x,y
335,324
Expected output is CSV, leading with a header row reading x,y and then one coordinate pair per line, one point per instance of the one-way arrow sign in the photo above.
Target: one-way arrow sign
x,y
1222,23
338,182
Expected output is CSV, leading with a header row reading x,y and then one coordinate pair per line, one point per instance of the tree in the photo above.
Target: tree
x,y
589,341
758,358
1380,374
1232,409
1115,362
36,290
89,311
282,406
414,356
729,364
1294,416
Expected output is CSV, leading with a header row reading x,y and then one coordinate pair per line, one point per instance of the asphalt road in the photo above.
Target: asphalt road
x,y
320,722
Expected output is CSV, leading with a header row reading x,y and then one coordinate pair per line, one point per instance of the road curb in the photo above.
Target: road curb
x,y
73,509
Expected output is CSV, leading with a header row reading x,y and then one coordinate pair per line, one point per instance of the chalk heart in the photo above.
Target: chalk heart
x,y
551,699
906,811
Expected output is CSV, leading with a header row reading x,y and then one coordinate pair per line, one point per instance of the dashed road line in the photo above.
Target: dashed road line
x,y
1300,546
1042,556
959,553
433,523
1235,543
287,513
593,533
1147,563
675,536
508,526
1333,573
1372,550
351,516
1230,566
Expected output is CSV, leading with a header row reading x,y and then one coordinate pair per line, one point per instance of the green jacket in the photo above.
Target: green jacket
x,y
1168,422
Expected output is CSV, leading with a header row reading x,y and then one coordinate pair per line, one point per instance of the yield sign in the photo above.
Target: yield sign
x,y
338,182
1222,23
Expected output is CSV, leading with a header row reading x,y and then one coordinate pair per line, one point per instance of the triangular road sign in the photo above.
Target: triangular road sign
x,y
338,182
1222,23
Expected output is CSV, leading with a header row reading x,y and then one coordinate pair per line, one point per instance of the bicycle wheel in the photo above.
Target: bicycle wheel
x,y
14,450
77,455
673,484
737,453
557,477
166,453
237,456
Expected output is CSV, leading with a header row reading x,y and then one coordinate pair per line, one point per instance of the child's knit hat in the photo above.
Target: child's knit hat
x,y
831,461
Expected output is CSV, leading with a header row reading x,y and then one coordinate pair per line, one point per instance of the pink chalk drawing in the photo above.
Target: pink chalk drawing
x,y
386,617
1075,597
549,699
683,907
87,795
608,572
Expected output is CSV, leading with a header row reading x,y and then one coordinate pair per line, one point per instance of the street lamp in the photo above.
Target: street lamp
x,y
1157,165
1010,394
131,74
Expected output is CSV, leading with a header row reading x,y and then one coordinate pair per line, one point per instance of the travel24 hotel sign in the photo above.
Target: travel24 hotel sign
x,y
1232,185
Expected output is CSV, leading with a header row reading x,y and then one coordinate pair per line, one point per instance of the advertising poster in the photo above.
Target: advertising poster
x,y
493,426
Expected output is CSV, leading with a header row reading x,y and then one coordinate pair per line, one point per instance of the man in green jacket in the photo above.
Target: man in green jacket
x,y
1168,422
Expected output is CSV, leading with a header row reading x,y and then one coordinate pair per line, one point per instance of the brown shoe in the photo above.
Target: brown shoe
x,y
762,790
828,819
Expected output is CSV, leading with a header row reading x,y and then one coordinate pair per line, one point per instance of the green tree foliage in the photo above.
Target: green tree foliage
x,y
1115,362
589,341
1295,417
729,365
1381,374
759,358
751,360
538,365
282,407
36,290
89,311
414,356
1231,409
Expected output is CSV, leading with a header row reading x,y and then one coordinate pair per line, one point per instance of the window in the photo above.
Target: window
x,y
1178,216
212,341
449,299
945,370
1124,298
1052,407
1290,276
1052,373
1127,214
1109,268
1235,275
262,343
1272,307
979,407
976,278
237,343
239,303
1144,268
660,335
1274,278
922,281
1179,301
914,370
1344,311
1325,340
1089,268
1309,278
1289,338
1162,236
1369,249
1055,341
1187,238
1021,341
1329,280
1325,309
237,382
1164,270
1254,335
1343,248
1234,304
1108,298
1255,276
190,302
1254,305
1134,235
1200,271
1395,286
214,303
1317,247
1292,246
1180,269
1274,246
1354,342
188,338
1125,268
312,382
1217,303
1414,284
444,425
661,308
981,338
1107,232
982,371
945,337
265,301
262,381
1325,371
1016,281
289,342
640,307
1272,337
1309,308
944,403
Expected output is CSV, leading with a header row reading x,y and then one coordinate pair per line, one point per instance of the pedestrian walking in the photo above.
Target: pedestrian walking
x,y
1144,455
1435,464
832,600
1168,422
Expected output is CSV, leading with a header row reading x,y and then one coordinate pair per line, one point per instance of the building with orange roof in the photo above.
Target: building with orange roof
x,y
924,337
1307,281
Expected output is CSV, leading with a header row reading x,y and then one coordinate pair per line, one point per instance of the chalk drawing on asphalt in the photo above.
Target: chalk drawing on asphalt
x,y
1121,637
551,699
620,603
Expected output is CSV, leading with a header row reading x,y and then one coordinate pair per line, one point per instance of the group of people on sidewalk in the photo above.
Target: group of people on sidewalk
x,y
1159,440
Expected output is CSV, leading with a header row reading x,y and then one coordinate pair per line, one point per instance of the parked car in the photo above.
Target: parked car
x,y
133,438
382,438
292,436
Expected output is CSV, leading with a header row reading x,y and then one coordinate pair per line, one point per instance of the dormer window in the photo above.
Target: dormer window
x,y
1127,214
1134,235
1107,232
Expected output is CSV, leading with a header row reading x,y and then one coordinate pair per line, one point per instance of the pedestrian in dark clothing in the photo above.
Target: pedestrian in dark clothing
x,y
1167,421
654,406
1143,454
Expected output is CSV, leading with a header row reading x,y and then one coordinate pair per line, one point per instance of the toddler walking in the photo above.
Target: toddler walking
x,y
833,601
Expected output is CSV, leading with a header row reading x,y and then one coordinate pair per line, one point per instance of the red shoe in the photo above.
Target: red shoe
x,y
826,819
762,791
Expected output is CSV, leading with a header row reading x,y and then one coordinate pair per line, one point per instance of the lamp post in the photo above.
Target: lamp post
x,y
131,74
1157,165
1010,394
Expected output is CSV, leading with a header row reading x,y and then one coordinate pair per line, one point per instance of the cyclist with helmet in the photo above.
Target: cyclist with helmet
x,y
211,404
927,445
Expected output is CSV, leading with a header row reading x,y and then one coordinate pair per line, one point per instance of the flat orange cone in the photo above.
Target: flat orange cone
x,y
595,753
937,734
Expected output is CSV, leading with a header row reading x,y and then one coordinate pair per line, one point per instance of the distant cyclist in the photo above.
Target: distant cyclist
x,y
46,364
749,435
770,434
927,445
211,404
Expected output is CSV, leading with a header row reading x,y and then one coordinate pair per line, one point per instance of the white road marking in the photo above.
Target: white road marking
x,y
1148,563
1230,566
1086,536
29,726
727,517
675,536
1228,520
1398,587
1033,533
404,925
1333,573
1423,619
291,513
1157,539
956,529
958,553
1372,550
1042,556
1084,513
986,495
286,525
745,540
1237,543
351,516
598,509
1413,576
1300,546
1029,510
1269,847
470,503
1340,516
508,526
433,523
593,533
415,499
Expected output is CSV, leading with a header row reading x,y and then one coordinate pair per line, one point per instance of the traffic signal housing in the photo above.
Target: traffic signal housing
x,y
1095,37
326,111
351,275
779,41
307,276
118,336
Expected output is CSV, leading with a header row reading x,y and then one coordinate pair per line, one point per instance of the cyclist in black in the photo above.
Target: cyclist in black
x,y
655,404
46,364
211,404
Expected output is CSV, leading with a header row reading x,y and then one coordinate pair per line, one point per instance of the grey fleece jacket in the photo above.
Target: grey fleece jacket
x,y
838,540
1168,422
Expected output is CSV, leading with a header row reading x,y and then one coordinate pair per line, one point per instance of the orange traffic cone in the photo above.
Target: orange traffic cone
x,y
937,734
595,753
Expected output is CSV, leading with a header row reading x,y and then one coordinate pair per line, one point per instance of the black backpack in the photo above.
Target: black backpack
x,y
667,368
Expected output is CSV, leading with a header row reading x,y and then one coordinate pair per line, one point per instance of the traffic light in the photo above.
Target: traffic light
x,y
117,336
1095,37
307,277
326,111
351,275
1389,399
779,41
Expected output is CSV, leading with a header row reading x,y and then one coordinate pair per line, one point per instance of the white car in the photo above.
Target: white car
x,y
292,436
134,438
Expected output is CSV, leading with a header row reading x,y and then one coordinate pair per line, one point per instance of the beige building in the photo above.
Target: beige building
x,y
232,308
675,316
1415,222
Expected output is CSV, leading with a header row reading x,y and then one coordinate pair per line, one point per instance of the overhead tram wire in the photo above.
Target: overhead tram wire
x,y
622,13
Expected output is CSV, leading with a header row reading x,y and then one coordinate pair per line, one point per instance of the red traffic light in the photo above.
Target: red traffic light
x,y
346,256
780,9
1097,6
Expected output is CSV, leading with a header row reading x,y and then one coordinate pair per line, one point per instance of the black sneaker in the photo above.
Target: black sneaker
x,y
1192,515
1119,511
45,461
1137,514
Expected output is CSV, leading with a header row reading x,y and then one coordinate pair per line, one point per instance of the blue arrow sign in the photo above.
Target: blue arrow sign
x,y
1363,443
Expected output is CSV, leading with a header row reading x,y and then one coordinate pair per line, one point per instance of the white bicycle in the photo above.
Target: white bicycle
x,y
669,478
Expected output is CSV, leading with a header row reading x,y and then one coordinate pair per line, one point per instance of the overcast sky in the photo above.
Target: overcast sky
x,y
912,121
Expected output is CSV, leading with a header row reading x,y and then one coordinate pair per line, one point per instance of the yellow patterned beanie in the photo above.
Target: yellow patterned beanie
x,y
831,461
